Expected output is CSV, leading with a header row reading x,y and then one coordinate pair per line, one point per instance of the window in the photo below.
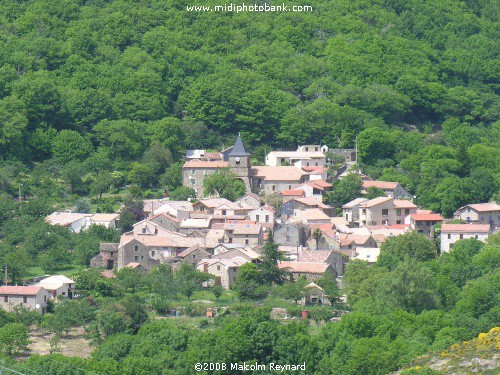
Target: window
x,y
449,236
224,212
307,164
25,299
153,253
398,211
315,149
289,187
143,230
347,217
136,258
461,236
428,223
307,148
247,241
282,160
385,212
6,298
451,246
468,218
476,236
194,256
111,254
468,209
44,298
142,257
156,230
316,164
238,161
218,268
136,248
257,217
193,182
407,211
274,187
363,211
482,219
398,221
63,293
287,238
267,218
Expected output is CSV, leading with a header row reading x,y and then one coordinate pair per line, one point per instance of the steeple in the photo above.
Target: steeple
x,y
238,148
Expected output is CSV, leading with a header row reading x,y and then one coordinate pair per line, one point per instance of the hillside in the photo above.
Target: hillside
x,y
480,355
97,95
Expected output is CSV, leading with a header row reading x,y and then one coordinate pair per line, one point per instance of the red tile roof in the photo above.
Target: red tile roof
x,y
403,203
482,207
375,202
205,164
20,290
304,267
465,228
427,217
293,193
384,185
278,173
320,184
315,256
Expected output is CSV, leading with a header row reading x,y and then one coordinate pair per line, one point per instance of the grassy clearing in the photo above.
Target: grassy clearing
x,y
73,344
35,271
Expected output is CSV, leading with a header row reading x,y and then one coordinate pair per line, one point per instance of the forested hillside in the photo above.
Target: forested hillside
x,y
99,94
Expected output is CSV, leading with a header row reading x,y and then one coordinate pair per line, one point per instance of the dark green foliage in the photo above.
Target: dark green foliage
x,y
269,270
224,184
345,190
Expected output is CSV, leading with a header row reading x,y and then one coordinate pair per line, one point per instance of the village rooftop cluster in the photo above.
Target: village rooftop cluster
x,y
217,236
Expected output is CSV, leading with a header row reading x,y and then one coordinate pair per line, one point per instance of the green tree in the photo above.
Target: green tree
x,y
294,290
345,190
373,192
69,145
249,282
411,245
317,235
269,270
182,193
224,184
14,338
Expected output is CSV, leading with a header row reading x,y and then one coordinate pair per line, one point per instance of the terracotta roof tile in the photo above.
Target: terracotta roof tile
x,y
20,290
403,203
384,185
193,164
293,193
465,228
304,267
427,217
278,173
482,207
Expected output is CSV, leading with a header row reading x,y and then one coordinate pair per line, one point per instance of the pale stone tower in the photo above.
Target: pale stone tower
x,y
239,163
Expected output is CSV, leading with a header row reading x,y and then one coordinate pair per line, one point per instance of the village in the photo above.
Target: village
x,y
217,236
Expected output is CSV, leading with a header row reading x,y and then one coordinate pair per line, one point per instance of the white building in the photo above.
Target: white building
x,y
305,156
451,233
58,285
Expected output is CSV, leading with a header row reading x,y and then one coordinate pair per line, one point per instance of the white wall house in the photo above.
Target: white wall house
x,y
451,233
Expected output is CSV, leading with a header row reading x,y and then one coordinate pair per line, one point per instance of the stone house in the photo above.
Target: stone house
x,y
106,220
311,270
30,297
244,253
385,211
250,200
311,216
314,294
245,234
165,221
391,189
287,209
225,270
237,159
424,223
350,210
208,206
107,257
483,213
195,171
291,234
451,233
190,225
193,255
225,247
271,180
263,214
